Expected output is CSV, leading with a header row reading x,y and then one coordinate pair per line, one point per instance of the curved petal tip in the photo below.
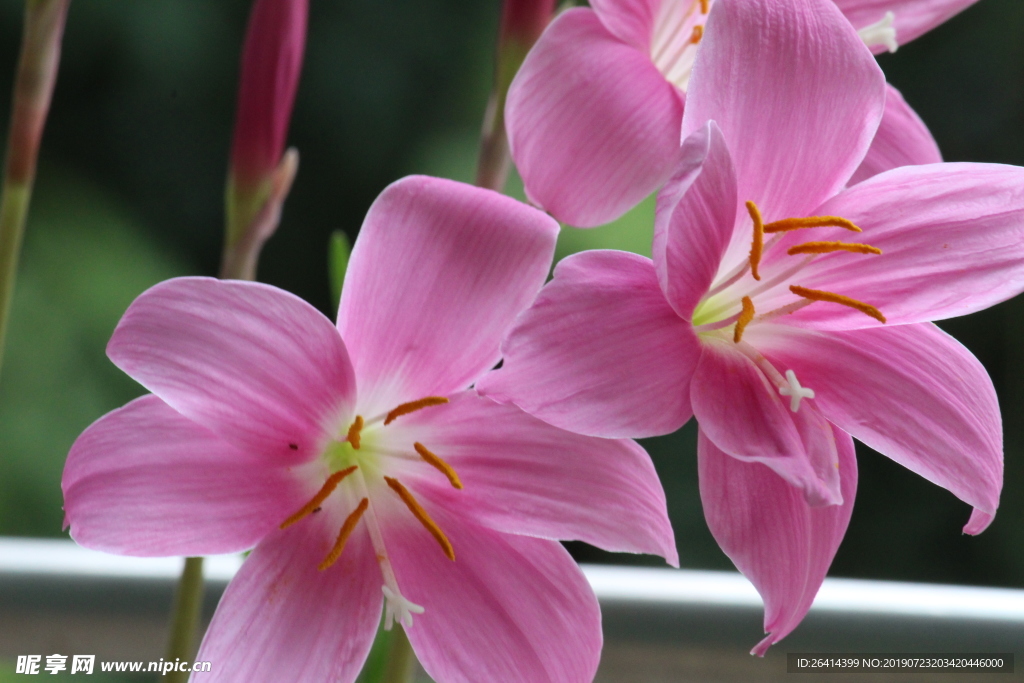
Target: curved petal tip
x,y
978,522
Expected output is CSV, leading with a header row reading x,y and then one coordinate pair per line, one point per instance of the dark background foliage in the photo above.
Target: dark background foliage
x,y
131,192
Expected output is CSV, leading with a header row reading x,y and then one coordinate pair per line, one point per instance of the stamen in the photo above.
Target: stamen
x,y
787,224
795,391
325,490
421,514
829,247
354,432
746,315
346,531
397,605
757,246
818,295
440,464
704,6
413,406
698,33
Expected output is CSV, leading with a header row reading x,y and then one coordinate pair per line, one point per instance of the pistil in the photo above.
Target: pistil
x,y
882,32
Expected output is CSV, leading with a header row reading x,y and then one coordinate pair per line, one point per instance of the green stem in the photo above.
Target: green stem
x,y
188,603
401,660
33,90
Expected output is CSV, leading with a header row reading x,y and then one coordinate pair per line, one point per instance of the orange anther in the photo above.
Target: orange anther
x,y
346,531
421,514
818,295
829,247
698,33
355,432
757,246
321,495
413,406
704,6
746,315
440,464
787,224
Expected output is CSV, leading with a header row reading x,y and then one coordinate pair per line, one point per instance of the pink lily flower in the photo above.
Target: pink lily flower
x,y
594,114
359,464
783,311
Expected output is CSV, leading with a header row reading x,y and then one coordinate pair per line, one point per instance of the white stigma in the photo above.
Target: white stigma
x,y
396,606
795,391
882,32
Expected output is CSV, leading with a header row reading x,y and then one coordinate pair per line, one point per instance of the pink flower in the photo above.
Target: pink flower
x,y
783,311
594,114
364,471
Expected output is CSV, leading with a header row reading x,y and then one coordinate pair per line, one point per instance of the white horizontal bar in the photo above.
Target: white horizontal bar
x,y
47,557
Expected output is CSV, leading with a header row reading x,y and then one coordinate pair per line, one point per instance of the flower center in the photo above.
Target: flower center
x,y
678,29
360,461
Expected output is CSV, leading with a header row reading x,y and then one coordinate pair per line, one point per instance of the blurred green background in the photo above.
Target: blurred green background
x,y
131,186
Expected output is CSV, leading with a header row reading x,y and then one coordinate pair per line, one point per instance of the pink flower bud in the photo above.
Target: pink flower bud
x,y
524,20
271,62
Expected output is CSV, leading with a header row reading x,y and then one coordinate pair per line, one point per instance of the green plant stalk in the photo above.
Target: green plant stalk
x,y
33,90
399,667
188,603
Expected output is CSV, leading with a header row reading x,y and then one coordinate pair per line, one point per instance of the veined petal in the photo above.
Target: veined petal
x,y
597,345
740,410
912,17
765,526
797,95
145,481
695,215
593,125
911,392
510,608
952,241
902,140
252,363
631,21
438,274
523,476
282,619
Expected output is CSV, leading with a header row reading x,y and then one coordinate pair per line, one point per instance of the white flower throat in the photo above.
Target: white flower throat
x,y
717,312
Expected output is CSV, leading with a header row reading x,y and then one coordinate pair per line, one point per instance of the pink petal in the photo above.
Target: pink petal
x,y
599,343
913,17
779,542
695,214
797,95
143,480
978,522
523,476
902,140
252,363
631,21
911,392
509,608
281,619
952,237
593,125
438,274
741,411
